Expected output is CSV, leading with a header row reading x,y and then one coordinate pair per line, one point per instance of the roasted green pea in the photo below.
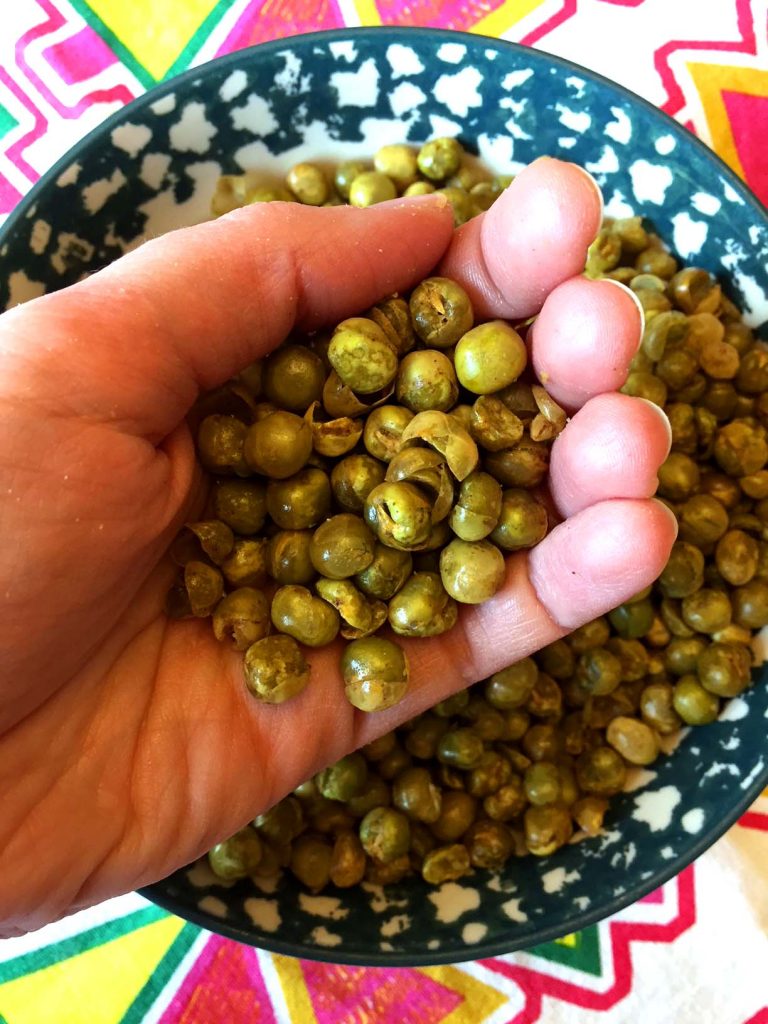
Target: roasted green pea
x,y
422,607
750,604
703,520
724,669
682,653
694,704
346,172
525,465
493,772
275,669
342,546
426,380
220,441
393,316
460,748
386,574
241,504
288,558
684,571
400,515
632,620
344,779
457,812
512,686
547,829
311,862
352,480
293,378
598,671
398,162
678,477
360,616
439,158
441,312
489,844
588,813
493,425
241,618
375,673
414,793
656,706
299,501
707,610
489,357
741,448
371,187
445,434
279,445
308,619
362,355
204,586
601,771
752,377
634,740
385,834
246,566
472,572
445,864
423,739
542,783
508,802
308,184
347,867
383,431
477,510
522,521
236,857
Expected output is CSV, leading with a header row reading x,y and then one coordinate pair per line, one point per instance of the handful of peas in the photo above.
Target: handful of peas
x,y
373,477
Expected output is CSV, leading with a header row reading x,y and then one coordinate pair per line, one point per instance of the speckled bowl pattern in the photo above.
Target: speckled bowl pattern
x,y
153,166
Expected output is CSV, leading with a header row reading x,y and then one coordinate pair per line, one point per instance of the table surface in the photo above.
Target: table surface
x,y
695,950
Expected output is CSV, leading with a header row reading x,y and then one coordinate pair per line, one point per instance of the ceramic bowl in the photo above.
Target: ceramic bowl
x,y
153,165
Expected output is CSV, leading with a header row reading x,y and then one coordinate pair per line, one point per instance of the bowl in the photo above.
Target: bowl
x,y
152,166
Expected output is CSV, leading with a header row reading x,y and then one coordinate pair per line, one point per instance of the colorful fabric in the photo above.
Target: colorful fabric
x,y
64,66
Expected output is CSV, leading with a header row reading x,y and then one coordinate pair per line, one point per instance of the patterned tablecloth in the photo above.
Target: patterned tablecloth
x,y
695,950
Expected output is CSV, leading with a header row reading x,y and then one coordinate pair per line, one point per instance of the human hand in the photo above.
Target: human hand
x,y
128,743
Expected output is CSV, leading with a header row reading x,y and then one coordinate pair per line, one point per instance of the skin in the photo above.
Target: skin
x,y
123,736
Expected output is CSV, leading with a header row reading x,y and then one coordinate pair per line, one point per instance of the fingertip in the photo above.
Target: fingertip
x,y
612,448
534,237
601,557
585,338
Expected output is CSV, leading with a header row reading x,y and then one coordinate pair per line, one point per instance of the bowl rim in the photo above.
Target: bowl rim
x,y
396,32
583,919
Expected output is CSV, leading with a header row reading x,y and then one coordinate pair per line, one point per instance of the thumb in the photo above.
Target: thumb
x,y
137,342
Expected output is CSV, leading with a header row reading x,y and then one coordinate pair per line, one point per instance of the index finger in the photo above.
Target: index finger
x,y
183,313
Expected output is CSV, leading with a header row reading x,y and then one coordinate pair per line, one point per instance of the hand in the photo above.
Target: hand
x,y
129,744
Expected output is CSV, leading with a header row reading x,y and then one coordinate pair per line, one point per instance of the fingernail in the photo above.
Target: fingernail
x,y
637,302
668,512
594,185
663,417
435,199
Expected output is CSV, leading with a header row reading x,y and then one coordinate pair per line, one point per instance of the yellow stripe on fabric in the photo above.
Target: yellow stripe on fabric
x,y
294,989
505,17
710,81
480,1000
154,31
568,940
367,12
94,987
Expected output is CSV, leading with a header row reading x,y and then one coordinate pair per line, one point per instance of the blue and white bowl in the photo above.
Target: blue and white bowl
x,y
153,166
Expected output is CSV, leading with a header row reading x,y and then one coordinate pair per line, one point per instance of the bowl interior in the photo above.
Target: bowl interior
x,y
152,167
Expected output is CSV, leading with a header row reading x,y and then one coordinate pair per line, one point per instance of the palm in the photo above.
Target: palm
x,y
152,749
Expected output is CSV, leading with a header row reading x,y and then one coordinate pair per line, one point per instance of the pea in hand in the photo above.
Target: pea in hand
x,y
129,744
